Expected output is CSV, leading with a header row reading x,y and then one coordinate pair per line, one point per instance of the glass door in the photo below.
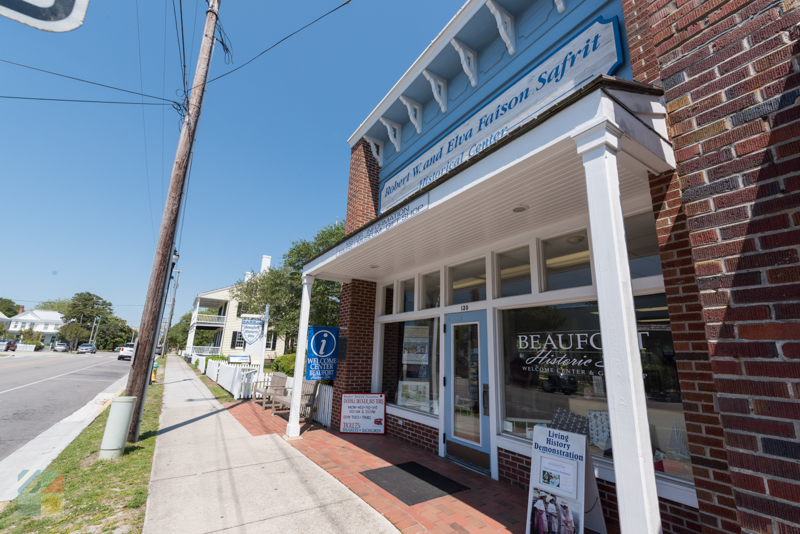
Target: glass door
x,y
467,389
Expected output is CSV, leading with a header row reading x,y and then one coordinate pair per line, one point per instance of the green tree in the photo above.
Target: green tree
x,y
58,305
9,307
29,336
4,334
73,333
112,332
281,287
179,332
84,307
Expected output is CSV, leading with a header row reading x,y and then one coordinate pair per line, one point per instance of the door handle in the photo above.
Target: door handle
x,y
486,399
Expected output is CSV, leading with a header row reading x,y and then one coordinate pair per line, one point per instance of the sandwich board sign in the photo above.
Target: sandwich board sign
x,y
563,494
47,15
363,413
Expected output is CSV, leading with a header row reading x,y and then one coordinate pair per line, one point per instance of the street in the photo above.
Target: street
x,y
38,391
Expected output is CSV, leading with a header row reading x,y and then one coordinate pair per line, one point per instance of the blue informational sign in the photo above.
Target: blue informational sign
x,y
322,354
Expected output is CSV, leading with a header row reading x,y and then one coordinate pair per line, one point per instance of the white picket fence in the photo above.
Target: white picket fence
x,y
201,362
242,379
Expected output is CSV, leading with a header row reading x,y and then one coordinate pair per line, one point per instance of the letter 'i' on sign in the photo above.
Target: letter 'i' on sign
x,y
52,16
323,353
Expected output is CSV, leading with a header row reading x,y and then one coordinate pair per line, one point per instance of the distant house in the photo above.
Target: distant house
x,y
45,322
218,311
4,318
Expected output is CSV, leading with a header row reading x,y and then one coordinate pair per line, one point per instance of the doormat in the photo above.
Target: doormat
x,y
413,483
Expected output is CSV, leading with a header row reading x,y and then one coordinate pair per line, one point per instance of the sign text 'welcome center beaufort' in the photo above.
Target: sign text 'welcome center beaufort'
x,y
563,494
322,353
594,51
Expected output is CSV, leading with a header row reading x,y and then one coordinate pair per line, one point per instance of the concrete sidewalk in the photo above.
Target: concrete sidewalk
x,y
210,475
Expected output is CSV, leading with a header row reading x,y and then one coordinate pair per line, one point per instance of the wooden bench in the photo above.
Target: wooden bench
x,y
308,398
277,386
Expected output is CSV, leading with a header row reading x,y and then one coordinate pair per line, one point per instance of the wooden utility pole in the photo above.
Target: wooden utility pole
x,y
165,344
149,326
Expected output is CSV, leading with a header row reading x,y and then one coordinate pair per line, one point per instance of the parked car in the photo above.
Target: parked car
x,y
8,344
87,348
126,352
61,346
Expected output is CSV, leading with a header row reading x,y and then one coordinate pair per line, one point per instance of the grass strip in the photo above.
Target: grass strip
x,y
91,495
219,393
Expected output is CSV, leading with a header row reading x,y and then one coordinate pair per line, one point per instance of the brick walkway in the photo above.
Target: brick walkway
x,y
488,507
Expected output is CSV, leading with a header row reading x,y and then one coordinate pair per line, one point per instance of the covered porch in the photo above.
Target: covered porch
x,y
207,328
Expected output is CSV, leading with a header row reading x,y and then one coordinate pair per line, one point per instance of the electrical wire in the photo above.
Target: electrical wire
x,y
163,111
144,129
86,81
83,101
181,59
194,32
183,45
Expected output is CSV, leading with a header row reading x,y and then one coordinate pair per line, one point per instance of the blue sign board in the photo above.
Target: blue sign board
x,y
322,353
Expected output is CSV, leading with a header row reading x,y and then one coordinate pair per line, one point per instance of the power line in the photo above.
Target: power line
x,y
163,111
85,101
144,129
183,44
194,32
181,58
86,81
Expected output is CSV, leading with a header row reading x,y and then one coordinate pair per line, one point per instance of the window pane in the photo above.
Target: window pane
x,y
468,282
566,261
411,365
553,375
514,273
467,404
388,299
431,287
642,241
407,292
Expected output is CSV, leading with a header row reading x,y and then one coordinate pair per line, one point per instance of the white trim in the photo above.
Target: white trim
x,y
414,415
505,24
414,112
438,88
395,132
469,61
377,149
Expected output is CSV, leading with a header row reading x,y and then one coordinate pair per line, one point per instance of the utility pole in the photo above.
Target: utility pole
x,y
165,345
156,289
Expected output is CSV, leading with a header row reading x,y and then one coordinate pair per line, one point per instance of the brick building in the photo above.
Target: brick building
x,y
616,183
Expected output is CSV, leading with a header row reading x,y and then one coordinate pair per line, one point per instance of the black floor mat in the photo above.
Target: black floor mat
x,y
413,483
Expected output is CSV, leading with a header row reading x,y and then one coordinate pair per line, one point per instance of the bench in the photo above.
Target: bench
x,y
277,386
308,398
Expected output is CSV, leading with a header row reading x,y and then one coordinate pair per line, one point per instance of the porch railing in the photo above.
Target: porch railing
x,y
215,319
206,351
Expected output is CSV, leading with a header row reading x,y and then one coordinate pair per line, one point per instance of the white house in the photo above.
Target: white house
x,y
45,322
218,311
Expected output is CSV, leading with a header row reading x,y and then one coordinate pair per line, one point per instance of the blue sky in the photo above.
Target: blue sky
x,y
271,159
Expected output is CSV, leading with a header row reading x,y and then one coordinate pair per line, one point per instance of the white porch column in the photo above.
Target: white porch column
x,y
630,435
293,428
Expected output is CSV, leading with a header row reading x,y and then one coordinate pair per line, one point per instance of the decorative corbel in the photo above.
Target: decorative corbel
x,y
560,5
439,88
377,149
469,60
414,112
395,132
505,24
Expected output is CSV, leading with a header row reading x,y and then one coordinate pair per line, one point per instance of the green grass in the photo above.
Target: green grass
x,y
220,394
98,495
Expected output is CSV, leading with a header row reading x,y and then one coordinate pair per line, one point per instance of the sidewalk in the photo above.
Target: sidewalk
x,y
211,475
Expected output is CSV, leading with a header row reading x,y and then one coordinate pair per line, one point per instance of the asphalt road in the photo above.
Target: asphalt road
x,y
38,391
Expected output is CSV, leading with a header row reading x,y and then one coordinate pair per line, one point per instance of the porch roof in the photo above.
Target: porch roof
x,y
539,167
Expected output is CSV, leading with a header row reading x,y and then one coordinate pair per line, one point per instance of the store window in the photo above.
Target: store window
x,y
410,361
431,290
388,299
553,376
468,282
407,294
566,261
640,236
514,273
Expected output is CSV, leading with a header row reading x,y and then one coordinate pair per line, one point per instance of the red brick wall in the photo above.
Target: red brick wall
x,y
417,434
363,188
356,324
730,73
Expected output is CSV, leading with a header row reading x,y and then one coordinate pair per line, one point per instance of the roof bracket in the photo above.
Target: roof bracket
x,y
414,112
439,88
395,132
377,149
560,5
469,60
505,24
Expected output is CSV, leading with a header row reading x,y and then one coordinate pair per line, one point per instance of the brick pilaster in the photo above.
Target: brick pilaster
x,y
363,187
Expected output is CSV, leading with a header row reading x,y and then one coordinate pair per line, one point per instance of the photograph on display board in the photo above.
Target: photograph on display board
x,y
410,364
553,514
416,345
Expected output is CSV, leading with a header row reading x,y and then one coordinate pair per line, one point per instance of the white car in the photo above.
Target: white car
x,y
126,352
87,348
60,346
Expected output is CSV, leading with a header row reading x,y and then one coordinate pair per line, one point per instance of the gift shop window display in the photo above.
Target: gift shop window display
x,y
553,376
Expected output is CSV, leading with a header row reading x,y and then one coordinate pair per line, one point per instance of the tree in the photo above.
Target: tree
x,y
179,332
112,332
73,333
9,307
4,334
281,287
84,307
57,305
